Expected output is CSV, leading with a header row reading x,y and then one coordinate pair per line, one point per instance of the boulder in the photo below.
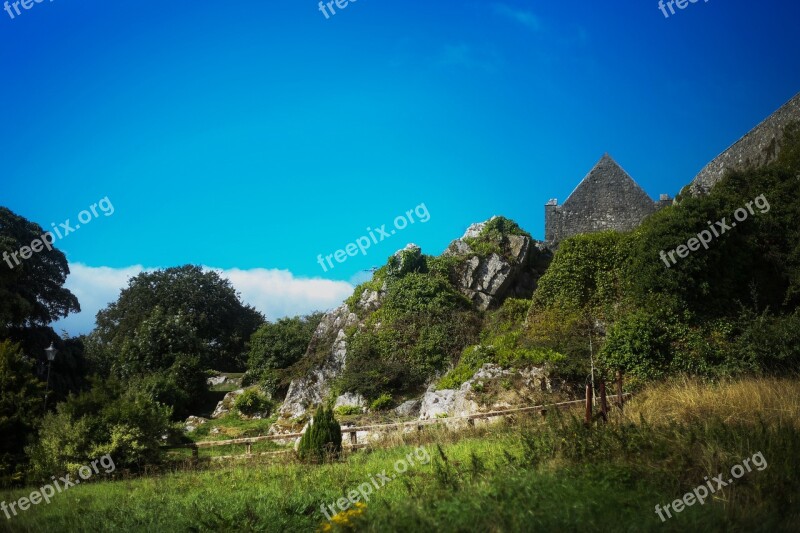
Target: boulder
x,y
408,408
224,407
349,399
194,422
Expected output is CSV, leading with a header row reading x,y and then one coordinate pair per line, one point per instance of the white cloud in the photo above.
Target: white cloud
x,y
276,293
95,287
526,18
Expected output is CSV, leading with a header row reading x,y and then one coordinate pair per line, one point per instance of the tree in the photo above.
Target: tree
x,y
21,398
202,312
31,292
278,345
323,439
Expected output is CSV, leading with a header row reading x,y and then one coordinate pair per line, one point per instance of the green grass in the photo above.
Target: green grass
x,y
530,476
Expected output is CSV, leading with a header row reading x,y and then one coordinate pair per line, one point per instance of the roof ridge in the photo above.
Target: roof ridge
x,y
607,157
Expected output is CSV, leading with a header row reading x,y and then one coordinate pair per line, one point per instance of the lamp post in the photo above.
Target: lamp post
x,y
51,355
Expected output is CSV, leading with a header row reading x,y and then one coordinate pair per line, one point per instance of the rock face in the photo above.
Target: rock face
x,y
224,407
486,281
757,148
329,340
463,401
222,380
349,399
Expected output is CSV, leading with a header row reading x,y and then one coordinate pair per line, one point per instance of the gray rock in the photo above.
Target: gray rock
x,y
194,422
461,402
314,388
349,399
408,408
226,405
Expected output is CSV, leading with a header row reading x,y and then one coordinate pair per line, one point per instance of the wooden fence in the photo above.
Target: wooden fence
x,y
353,443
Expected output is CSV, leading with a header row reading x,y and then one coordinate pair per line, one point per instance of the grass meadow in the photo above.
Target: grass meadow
x,y
521,475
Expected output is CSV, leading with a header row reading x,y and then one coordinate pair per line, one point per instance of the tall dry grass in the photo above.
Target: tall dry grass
x,y
772,400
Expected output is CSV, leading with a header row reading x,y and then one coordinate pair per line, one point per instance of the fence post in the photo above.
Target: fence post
x,y
588,418
195,454
619,389
353,438
603,401
249,448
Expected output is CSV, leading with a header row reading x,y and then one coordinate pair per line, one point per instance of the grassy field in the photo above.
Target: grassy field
x,y
527,476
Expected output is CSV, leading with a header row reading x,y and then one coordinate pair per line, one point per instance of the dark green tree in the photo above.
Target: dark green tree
x,y
21,403
322,441
278,345
31,292
215,324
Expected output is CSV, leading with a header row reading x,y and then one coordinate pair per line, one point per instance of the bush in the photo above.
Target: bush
x,y
21,397
279,345
382,402
108,419
253,402
322,441
346,410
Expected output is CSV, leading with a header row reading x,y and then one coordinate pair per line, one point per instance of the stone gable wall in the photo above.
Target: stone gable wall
x,y
607,199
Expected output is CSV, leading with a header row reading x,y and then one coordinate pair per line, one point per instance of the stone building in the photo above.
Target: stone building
x,y
759,147
606,199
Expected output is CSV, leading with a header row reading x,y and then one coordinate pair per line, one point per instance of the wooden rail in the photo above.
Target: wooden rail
x,y
353,431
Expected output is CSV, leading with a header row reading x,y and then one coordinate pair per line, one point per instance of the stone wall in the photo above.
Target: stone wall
x,y
607,199
757,148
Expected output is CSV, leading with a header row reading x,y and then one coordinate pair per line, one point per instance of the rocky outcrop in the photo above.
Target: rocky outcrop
x,y
408,408
757,148
470,397
330,342
226,405
350,399
222,379
488,280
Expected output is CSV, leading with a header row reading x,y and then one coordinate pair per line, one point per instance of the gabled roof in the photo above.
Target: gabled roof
x,y
608,175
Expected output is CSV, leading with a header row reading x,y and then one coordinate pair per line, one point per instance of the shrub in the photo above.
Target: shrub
x,y
253,402
345,410
382,402
279,345
322,440
21,397
108,419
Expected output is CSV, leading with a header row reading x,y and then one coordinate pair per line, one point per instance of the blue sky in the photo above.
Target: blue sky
x,y
251,136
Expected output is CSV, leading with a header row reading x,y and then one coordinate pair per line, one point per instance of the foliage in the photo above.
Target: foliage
x,y
21,399
493,238
198,308
348,410
253,402
421,327
278,345
322,441
107,419
382,402
181,386
31,293
586,273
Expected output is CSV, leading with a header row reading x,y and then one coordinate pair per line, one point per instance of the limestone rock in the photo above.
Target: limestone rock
x,y
194,422
408,408
226,405
329,338
349,399
462,401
